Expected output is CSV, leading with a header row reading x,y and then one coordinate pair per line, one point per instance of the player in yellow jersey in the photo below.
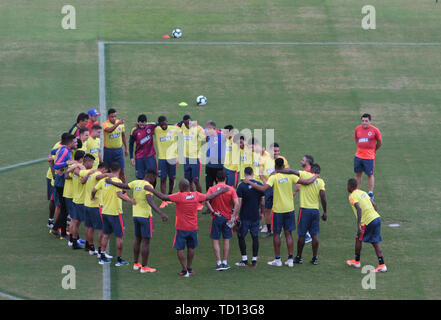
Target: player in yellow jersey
x,y
142,218
166,137
283,208
193,135
93,145
50,175
232,156
368,225
309,214
246,157
112,214
91,206
114,140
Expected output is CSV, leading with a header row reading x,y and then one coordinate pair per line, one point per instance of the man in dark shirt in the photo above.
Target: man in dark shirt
x,y
249,200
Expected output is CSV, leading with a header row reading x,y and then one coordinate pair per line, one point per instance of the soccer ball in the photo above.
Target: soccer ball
x,y
201,101
177,33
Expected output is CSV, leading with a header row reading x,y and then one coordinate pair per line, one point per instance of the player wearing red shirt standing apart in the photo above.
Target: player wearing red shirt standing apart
x,y
221,209
186,234
368,140
92,121
142,137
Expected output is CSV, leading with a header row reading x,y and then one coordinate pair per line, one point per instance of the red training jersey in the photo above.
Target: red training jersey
x,y
90,124
144,141
186,209
223,203
366,141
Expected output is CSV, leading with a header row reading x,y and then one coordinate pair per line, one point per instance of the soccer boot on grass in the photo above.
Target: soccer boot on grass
x,y
381,268
275,262
353,263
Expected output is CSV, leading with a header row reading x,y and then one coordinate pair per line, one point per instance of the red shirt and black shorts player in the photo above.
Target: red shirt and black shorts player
x,y
222,204
186,234
145,151
366,139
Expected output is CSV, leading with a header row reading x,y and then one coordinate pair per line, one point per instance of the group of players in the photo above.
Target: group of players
x,y
245,183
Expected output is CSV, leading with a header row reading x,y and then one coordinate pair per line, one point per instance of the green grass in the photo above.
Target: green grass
x,y
311,96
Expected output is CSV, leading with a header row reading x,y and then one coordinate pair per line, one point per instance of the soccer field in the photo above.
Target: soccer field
x,y
307,75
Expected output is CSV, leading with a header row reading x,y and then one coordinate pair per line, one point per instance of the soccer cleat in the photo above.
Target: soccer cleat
x,y
298,260
92,252
254,263
314,261
121,262
54,232
108,256
381,268
103,260
218,267
353,263
275,262
290,263
242,264
268,234
308,238
264,229
163,204
225,266
371,195
147,269
69,243
137,266
190,270
184,273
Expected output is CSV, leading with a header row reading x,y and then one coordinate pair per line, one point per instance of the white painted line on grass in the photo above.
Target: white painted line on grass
x,y
8,296
246,43
21,164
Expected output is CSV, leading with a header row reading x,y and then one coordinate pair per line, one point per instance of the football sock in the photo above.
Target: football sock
x,y
278,257
269,227
357,257
380,260
224,261
290,256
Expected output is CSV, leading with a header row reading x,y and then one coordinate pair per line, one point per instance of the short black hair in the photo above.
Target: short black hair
x,y
115,166
82,130
274,145
309,159
353,183
248,171
111,110
366,115
279,163
88,157
67,138
229,127
221,176
242,138
186,117
82,116
79,155
162,119
103,165
96,127
142,118
315,168
211,124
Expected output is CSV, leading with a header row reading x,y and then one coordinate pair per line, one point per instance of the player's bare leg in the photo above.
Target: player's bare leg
x,y
371,182
358,177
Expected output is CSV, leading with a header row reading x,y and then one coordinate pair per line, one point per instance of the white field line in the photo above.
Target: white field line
x,y
103,114
21,164
245,43
8,296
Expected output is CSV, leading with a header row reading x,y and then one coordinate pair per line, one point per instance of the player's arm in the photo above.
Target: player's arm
x,y
131,143
118,184
323,200
308,181
159,194
117,123
379,144
257,186
84,179
213,195
210,208
125,197
288,171
155,208
102,176
374,204
236,209
296,190
124,140
78,168
359,211
94,191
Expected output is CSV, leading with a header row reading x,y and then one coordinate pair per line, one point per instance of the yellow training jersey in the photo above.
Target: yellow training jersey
x,y
232,155
193,138
285,162
112,204
255,164
167,142
246,160
309,195
68,186
78,189
113,139
283,200
266,166
142,208
88,187
93,147
368,213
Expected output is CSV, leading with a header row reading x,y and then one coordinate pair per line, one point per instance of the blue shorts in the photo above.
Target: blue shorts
x,y
287,220
232,177
113,224
366,165
269,198
309,220
219,227
114,155
49,189
69,206
167,168
185,238
93,218
144,164
77,211
246,225
56,197
371,232
192,169
59,181
143,227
